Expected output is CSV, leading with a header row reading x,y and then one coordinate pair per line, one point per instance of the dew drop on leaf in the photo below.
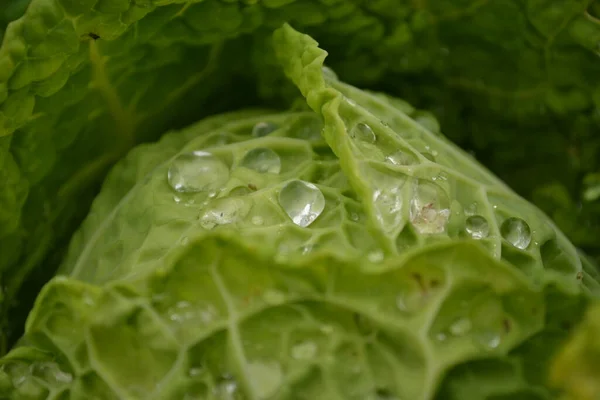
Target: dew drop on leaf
x,y
263,129
488,339
400,158
477,227
429,212
257,220
262,160
516,232
304,350
224,211
460,327
302,201
363,132
227,388
376,256
266,378
198,171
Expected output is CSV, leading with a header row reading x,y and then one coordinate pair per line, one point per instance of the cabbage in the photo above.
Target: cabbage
x,y
332,244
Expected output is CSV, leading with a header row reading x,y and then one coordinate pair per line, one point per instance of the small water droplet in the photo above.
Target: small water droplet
x,y
195,371
302,201
376,256
441,337
516,232
329,74
306,249
262,160
477,226
265,377
363,132
304,350
257,220
429,212
51,373
460,327
263,129
354,217
273,296
401,158
197,172
489,339
224,211
226,388
471,209
388,200
350,101
409,300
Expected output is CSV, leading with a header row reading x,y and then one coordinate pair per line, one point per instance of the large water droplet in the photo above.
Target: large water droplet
x,y
460,327
197,172
224,211
304,350
302,201
516,232
363,132
266,378
263,129
262,160
429,208
401,158
477,226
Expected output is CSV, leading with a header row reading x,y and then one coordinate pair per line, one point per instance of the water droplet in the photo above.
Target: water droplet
x,y
302,201
195,371
273,297
409,300
224,211
329,74
307,248
263,129
441,337
240,191
197,172
265,377
489,339
51,373
471,209
262,160
304,350
401,158
354,217
376,256
227,388
257,220
516,232
350,101
363,132
387,199
460,327
429,212
477,226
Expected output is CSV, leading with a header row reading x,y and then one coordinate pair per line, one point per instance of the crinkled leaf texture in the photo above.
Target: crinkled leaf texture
x,y
83,81
418,275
